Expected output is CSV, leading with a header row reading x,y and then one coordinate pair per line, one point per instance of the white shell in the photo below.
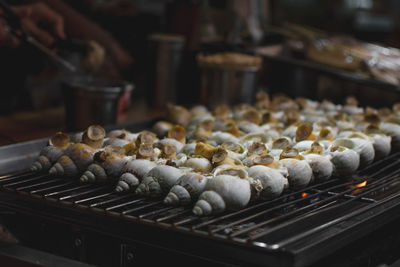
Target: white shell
x,y
222,137
232,170
48,156
127,135
345,161
299,172
392,130
188,149
321,166
363,147
382,145
273,183
113,141
202,165
158,181
76,159
109,169
249,139
249,127
223,192
303,145
133,173
171,141
186,190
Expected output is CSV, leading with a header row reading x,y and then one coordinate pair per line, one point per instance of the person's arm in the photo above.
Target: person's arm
x,y
77,26
31,16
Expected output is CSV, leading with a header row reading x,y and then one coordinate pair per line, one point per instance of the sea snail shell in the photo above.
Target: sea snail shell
x,y
186,190
223,192
391,127
75,160
363,147
50,154
110,166
202,165
134,172
272,182
94,136
345,161
158,181
299,172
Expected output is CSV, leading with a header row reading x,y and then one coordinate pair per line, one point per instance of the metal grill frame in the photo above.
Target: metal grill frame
x,y
27,194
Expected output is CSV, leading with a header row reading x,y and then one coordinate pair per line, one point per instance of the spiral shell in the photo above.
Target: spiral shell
x,y
133,173
186,190
232,170
114,141
363,147
392,128
178,115
122,134
50,154
76,159
223,137
223,192
178,145
110,167
299,172
345,161
272,182
189,149
158,181
94,136
321,166
202,165
161,128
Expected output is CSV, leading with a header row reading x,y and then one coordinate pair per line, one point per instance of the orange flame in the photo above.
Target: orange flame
x,y
362,184
304,194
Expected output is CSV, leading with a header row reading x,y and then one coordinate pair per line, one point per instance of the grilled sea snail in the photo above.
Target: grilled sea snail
x,y
158,181
186,190
76,158
133,173
51,153
108,165
222,193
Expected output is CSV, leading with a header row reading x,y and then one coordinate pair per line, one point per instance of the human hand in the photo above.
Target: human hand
x,y
37,20
41,22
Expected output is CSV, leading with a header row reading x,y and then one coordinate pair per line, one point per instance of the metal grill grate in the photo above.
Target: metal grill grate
x,y
282,223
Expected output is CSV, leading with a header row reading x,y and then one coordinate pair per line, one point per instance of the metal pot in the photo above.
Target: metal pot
x,y
227,85
90,100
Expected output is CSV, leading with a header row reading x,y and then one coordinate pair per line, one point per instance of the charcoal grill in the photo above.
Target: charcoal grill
x,y
106,228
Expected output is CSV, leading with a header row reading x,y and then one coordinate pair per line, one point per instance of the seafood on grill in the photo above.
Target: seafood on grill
x,y
299,171
74,161
223,193
133,173
51,153
158,181
94,136
186,189
225,159
271,182
108,165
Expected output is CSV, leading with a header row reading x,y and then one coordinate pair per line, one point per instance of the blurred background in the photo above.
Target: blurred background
x,y
118,61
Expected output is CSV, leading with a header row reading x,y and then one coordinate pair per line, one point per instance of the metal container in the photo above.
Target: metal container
x,y
227,85
91,100
165,53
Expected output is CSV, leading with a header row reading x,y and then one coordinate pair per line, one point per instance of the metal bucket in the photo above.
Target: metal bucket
x,y
91,100
227,85
165,52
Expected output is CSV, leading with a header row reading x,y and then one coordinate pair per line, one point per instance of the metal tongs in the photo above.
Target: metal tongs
x,y
14,27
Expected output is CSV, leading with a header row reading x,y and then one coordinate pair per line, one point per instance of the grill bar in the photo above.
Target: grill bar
x,y
297,219
260,224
